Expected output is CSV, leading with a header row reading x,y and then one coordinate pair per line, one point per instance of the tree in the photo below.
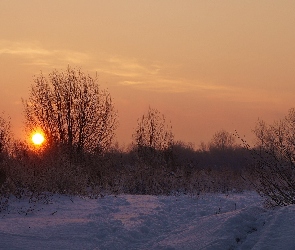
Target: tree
x,y
5,136
153,137
72,111
275,159
222,140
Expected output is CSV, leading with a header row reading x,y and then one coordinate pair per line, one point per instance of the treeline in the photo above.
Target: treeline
x,y
79,157
137,171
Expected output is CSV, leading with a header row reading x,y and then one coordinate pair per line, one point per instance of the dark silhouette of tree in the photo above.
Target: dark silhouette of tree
x,y
5,136
275,159
222,140
72,111
153,137
5,139
222,152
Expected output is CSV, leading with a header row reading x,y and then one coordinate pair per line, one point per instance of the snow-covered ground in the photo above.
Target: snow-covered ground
x,y
213,221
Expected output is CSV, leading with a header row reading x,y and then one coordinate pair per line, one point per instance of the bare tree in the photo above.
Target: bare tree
x,y
222,140
71,110
275,159
5,135
153,135
5,139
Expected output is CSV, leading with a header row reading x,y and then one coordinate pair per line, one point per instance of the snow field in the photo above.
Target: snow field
x,y
212,221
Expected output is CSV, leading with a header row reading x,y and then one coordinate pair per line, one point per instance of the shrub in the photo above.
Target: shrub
x,y
275,159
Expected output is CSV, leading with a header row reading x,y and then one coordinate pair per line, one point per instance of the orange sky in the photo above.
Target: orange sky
x,y
206,65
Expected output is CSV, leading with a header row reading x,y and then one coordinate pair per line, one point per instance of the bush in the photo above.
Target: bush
x,y
275,159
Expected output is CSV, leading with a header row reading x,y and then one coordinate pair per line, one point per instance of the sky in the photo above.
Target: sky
x,y
206,65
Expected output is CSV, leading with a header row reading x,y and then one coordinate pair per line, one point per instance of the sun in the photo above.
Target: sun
x,y
38,138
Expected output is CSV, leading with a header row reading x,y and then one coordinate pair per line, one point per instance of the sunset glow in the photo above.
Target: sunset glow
x,y
38,138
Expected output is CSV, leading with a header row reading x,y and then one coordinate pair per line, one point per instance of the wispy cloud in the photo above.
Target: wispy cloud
x,y
127,68
34,54
134,72
154,76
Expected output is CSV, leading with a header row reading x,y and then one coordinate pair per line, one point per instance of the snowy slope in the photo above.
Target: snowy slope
x,y
219,221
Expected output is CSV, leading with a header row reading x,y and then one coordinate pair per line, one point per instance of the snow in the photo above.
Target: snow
x,y
211,221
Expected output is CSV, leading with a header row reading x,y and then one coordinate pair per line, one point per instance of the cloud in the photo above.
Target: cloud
x,y
34,54
133,72
155,76
24,51
127,67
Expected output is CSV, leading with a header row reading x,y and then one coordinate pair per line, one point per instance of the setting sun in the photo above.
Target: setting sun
x,y
37,138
